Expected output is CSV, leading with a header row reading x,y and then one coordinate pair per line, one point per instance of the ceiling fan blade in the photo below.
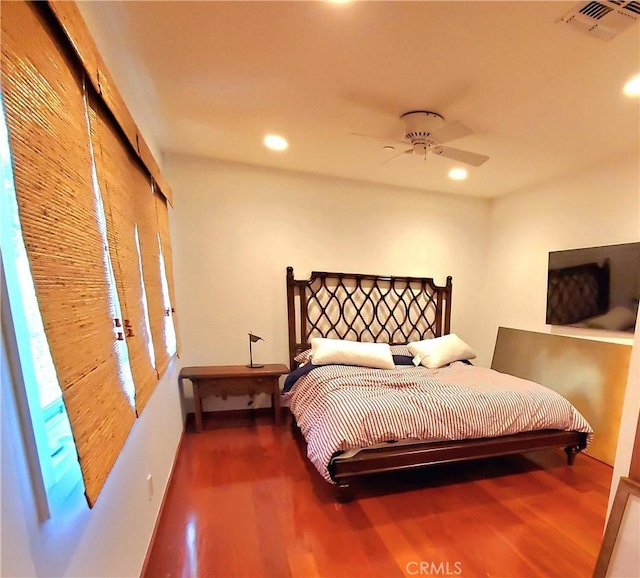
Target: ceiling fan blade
x,y
402,142
450,132
405,152
473,159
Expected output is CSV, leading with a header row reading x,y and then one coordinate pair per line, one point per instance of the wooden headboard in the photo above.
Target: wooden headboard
x,y
372,308
578,292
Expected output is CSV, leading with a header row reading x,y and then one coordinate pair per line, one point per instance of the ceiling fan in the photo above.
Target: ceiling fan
x,y
426,132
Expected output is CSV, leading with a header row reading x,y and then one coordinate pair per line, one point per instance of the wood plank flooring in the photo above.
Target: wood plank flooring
x,y
244,501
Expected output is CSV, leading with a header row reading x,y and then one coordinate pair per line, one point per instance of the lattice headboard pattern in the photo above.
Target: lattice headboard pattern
x,y
578,292
365,308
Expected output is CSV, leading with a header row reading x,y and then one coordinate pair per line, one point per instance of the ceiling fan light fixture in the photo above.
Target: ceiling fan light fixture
x,y
458,174
421,123
275,142
420,148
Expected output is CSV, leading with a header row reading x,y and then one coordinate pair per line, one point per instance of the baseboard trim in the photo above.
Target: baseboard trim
x,y
143,572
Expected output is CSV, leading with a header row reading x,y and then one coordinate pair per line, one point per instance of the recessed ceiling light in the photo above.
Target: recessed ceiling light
x,y
458,174
632,88
275,142
389,148
339,1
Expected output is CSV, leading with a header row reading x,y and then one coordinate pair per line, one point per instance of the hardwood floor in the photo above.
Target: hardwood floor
x,y
244,501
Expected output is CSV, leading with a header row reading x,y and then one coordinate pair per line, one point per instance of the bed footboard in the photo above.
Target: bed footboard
x,y
418,455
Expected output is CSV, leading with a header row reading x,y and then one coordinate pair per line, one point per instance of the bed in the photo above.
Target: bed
x,y
393,310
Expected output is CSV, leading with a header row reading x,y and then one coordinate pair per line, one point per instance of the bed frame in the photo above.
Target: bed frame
x,y
394,310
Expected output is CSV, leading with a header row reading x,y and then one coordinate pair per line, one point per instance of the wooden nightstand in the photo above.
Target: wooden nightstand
x,y
225,380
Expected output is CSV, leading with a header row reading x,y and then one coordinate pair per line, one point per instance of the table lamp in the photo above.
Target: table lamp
x,y
252,339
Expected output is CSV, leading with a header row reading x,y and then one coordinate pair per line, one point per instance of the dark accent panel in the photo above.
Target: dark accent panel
x,y
577,293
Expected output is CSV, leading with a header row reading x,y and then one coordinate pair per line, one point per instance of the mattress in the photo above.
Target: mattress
x,y
343,408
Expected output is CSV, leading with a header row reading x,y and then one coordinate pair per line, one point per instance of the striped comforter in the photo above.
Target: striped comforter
x,y
341,407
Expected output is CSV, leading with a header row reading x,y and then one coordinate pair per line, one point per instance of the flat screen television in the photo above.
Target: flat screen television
x,y
595,287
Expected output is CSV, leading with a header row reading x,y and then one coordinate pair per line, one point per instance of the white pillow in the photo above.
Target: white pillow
x,y
440,351
617,319
325,351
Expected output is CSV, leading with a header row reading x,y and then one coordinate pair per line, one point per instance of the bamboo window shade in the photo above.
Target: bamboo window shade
x,y
162,210
122,180
150,254
70,20
60,216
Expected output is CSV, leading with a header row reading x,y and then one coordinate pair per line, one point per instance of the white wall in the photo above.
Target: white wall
x,y
625,558
629,420
236,228
597,206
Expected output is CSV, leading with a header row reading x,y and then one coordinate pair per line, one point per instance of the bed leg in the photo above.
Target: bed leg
x,y
572,452
343,493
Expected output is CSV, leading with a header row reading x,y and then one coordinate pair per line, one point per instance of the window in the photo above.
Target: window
x,y
54,441
120,344
87,280
145,305
169,328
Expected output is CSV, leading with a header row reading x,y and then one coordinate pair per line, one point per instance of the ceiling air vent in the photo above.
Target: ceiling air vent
x,y
604,19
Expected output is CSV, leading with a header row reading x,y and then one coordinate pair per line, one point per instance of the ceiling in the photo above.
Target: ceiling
x,y
543,99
